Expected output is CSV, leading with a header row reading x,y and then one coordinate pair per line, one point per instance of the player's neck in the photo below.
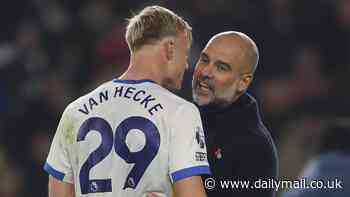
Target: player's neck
x,y
144,66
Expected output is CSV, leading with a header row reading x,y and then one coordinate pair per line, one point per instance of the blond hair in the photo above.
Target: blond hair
x,y
152,24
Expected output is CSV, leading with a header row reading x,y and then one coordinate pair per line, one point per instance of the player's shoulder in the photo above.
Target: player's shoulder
x,y
76,104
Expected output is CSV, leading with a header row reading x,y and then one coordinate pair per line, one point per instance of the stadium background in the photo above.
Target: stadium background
x,y
53,51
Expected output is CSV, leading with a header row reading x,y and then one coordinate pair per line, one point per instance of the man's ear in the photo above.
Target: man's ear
x,y
244,83
169,47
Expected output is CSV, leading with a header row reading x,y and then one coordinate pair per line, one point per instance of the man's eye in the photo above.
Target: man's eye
x,y
222,67
204,60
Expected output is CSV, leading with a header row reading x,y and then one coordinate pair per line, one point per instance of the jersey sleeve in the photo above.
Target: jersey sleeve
x,y
187,154
57,163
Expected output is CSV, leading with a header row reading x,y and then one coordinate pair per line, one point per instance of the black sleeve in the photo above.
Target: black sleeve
x,y
256,162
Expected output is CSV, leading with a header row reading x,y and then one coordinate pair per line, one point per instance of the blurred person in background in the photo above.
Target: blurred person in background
x,y
239,145
11,177
330,164
157,132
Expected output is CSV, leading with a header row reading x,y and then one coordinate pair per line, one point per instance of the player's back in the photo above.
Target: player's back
x,y
117,141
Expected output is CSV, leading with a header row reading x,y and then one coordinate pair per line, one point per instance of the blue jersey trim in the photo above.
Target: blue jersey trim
x,y
129,81
191,171
51,171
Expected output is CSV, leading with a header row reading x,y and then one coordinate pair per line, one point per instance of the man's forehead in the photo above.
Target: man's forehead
x,y
223,51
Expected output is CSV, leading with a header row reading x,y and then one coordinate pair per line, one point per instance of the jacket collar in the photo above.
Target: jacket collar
x,y
243,110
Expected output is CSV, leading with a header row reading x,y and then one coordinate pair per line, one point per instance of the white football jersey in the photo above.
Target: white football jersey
x,y
128,138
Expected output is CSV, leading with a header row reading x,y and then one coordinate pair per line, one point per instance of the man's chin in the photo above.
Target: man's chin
x,y
171,86
201,100
178,86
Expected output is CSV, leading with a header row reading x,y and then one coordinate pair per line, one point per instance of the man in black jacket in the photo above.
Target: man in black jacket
x,y
240,148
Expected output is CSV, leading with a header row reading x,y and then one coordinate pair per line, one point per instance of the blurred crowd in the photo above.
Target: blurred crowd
x,y
53,51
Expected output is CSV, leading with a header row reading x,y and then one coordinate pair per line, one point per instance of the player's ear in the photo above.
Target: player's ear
x,y
169,48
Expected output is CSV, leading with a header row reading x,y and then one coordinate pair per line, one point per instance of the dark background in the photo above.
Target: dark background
x,y
53,51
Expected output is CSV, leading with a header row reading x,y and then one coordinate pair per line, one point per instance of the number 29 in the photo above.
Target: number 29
x,y
141,159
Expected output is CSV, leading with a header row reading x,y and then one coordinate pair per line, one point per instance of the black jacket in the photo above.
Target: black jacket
x,y
240,148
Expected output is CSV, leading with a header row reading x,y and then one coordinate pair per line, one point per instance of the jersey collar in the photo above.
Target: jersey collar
x,y
129,81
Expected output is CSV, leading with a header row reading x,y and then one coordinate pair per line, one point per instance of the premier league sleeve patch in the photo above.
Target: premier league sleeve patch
x,y
200,137
200,155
